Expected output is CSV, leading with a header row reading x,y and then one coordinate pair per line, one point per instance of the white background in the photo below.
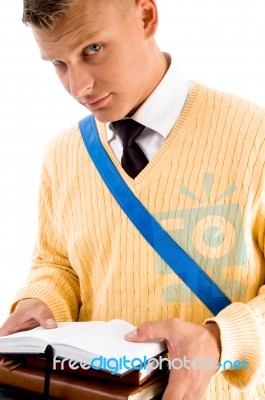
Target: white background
x,y
217,42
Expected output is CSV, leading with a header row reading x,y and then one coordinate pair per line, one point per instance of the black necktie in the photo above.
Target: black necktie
x,y
133,159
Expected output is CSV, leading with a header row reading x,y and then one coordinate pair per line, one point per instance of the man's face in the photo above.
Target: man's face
x,y
102,57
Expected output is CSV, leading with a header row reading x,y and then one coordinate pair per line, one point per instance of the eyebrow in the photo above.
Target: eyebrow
x,y
87,37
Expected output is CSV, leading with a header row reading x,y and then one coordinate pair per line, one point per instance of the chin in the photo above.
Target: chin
x,y
107,116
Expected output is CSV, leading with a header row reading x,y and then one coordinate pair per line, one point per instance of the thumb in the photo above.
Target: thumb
x,y
48,323
39,312
148,332
28,314
45,317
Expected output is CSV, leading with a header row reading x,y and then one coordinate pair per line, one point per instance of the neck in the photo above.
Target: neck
x,y
159,66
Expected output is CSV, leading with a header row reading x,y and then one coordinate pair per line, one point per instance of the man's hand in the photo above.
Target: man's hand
x,y
185,341
28,314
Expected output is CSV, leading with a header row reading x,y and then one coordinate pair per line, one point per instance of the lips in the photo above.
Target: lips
x,y
96,103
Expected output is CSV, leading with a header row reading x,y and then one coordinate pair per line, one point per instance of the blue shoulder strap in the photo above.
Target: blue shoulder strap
x,y
179,261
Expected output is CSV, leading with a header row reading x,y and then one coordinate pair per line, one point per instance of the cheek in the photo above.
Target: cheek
x,y
120,76
120,66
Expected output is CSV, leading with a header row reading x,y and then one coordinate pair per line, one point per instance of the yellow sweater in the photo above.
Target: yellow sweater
x,y
205,186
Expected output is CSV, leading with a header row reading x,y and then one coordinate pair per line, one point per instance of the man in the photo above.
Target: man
x,y
203,181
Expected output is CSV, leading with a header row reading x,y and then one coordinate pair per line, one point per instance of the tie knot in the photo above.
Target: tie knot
x,y
128,130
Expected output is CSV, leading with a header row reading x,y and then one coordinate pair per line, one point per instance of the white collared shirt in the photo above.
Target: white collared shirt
x,y
158,113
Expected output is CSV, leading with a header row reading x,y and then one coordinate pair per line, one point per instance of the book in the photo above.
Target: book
x,y
84,345
69,387
135,376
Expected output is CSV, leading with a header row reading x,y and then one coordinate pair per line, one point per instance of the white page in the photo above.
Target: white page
x,y
43,337
109,342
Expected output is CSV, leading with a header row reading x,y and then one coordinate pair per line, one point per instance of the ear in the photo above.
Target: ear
x,y
149,15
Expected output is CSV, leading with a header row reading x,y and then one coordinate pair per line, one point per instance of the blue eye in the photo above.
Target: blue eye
x,y
92,49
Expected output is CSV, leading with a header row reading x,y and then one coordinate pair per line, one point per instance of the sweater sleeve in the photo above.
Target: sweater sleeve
x,y
51,278
242,328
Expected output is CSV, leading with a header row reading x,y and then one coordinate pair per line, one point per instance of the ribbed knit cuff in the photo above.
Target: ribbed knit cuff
x,y
241,345
51,297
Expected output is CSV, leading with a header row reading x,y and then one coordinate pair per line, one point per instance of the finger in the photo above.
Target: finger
x,y
185,384
11,362
46,320
177,386
39,312
28,315
49,323
4,360
13,325
155,331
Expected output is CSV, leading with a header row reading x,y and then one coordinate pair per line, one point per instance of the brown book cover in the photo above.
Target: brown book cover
x,y
71,387
135,376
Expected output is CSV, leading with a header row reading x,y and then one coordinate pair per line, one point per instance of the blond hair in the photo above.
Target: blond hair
x,y
44,14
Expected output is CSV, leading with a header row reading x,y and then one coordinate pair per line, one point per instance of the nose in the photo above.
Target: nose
x,y
80,80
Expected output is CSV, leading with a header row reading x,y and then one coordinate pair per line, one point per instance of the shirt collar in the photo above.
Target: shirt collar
x,y
163,107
